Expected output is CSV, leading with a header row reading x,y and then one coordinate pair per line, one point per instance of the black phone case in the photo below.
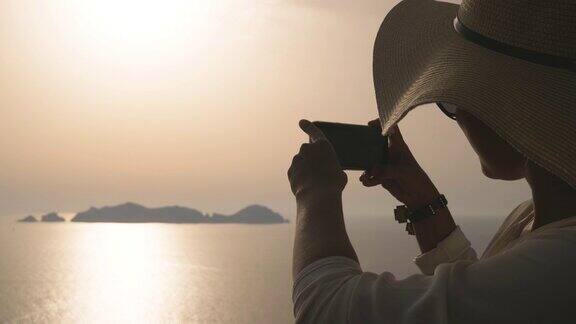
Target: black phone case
x,y
358,147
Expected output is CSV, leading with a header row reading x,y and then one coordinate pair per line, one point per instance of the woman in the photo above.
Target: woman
x,y
506,72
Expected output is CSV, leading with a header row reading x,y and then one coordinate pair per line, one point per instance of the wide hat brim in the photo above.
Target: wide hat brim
x,y
419,58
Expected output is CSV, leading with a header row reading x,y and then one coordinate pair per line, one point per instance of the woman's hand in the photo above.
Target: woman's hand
x,y
406,181
317,181
315,171
402,177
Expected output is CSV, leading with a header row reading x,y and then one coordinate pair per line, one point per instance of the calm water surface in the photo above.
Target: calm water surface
x,y
157,273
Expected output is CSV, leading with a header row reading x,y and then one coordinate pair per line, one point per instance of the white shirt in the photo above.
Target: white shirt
x,y
524,276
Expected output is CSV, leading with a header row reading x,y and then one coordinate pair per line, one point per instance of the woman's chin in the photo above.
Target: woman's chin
x,y
488,173
506,176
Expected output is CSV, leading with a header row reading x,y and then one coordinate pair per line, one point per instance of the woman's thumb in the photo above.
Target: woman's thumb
x,y
314,132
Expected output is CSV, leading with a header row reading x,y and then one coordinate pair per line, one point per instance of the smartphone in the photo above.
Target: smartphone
x,y
358,147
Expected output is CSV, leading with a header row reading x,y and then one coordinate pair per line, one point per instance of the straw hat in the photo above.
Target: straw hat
x,y
510,63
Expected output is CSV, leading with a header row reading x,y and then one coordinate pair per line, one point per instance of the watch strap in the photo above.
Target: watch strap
x,y
403,215
428,210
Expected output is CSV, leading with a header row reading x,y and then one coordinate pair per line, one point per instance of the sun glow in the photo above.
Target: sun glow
x,y
130,31
105,54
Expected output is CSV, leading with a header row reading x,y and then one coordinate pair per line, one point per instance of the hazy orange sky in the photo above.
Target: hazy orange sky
x,y
197,103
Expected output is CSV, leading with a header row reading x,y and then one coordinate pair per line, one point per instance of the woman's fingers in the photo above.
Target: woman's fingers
x,y
398,149
313,132
376,124
397,173
385,175
393,187
396,139
368,180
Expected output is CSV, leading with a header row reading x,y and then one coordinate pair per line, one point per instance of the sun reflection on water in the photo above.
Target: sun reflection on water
x,y
144,273
123,274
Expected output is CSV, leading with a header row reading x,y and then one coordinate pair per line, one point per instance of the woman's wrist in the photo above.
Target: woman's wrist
x,y
320,207
432,230
422,199
318,197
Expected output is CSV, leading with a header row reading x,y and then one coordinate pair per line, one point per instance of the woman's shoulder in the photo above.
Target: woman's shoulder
x,y
524,207
523,210
502,237
561,232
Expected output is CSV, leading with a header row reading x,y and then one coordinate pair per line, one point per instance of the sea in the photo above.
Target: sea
x,y
169,273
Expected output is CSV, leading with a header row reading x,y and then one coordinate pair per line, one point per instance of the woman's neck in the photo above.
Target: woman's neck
x,y
553,198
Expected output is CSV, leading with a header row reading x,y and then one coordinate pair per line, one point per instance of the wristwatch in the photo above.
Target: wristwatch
x,y
403,215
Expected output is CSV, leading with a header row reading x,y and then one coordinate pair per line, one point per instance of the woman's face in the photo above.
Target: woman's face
x,y
499,160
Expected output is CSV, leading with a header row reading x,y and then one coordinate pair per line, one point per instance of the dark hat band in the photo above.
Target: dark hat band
x,y
510,50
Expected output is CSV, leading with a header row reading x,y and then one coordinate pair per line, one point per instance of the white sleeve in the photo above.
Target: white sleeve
x,y
533,282
454,247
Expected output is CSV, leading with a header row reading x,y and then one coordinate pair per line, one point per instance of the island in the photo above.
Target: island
x,y
52,217
28,219
135,213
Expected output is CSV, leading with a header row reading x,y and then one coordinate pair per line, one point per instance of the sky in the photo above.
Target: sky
x,y
196,103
